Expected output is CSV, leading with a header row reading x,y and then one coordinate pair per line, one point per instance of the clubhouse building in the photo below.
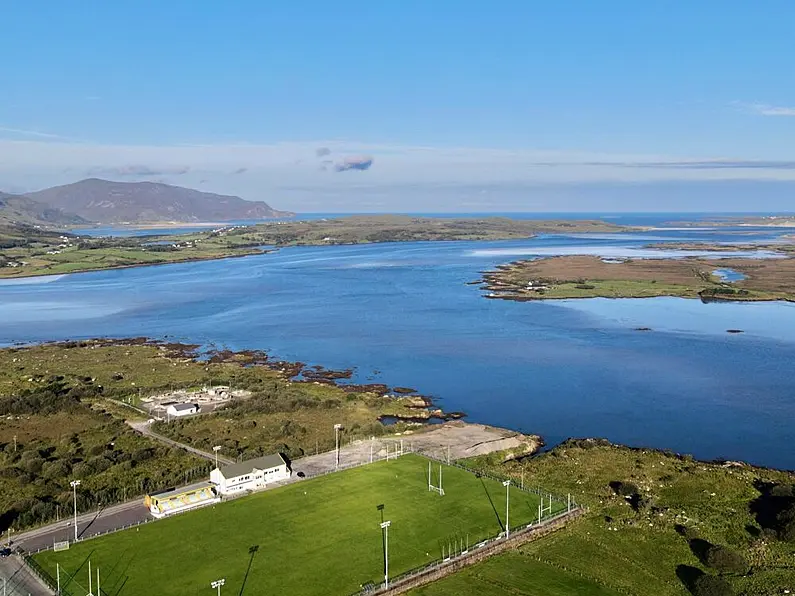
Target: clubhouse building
x,y
250,475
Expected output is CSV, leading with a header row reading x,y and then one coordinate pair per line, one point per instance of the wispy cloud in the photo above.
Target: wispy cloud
x,y
763,109
30,133
240,171
709,164
138,170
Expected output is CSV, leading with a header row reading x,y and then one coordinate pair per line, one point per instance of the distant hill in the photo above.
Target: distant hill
x,y
22,210
139,202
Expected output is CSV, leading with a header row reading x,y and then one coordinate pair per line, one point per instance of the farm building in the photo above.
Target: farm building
x,y
177,500
251,474
182,409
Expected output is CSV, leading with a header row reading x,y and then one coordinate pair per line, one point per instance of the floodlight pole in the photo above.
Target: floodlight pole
x,y
74,484
507,485
385,526
217,448
217,584
337,428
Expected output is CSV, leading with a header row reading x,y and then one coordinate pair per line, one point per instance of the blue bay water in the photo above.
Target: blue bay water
x,y
403,314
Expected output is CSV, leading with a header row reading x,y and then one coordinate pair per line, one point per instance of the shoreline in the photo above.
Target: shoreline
x,y
303,373
585,276
96,253
134,266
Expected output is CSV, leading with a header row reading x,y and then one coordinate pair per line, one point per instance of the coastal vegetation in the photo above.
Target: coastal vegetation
x,y
63,409
590,277
658,523
762,221
46,253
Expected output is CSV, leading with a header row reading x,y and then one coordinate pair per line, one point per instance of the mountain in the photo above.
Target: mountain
x,y
19,209
138,202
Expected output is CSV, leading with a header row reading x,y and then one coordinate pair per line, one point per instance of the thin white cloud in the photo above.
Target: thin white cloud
x,y
30,133
763,109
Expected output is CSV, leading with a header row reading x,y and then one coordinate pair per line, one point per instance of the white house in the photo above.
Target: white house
x,y
251,474
182,409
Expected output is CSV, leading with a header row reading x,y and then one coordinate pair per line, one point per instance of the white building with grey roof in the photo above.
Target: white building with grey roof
x,y
179,410
251,474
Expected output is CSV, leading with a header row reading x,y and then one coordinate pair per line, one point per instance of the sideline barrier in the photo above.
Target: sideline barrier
x,y
419,576
408,579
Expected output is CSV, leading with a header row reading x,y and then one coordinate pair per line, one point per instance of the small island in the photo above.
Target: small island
x,y
595,277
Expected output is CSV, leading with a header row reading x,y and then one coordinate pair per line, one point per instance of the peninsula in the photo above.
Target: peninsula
x,y
595,277
29,251
78,410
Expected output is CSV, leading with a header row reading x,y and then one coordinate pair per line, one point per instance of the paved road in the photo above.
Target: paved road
x,y
16,580
145,429
462,440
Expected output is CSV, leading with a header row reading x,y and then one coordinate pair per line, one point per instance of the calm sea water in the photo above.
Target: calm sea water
x,y
403,314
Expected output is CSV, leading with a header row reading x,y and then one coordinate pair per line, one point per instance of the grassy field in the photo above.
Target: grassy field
x,y
319,536
591,277
647,549
515,574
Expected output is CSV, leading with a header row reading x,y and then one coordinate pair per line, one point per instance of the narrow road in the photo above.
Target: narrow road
x,y
16,580
145,429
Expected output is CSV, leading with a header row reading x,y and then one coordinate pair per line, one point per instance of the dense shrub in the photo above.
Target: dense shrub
x,y
710,585
140,455
725,559
625,489
55,470
785,524
33,465
96,450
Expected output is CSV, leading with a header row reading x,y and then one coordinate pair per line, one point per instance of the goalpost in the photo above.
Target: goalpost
x,y
431,487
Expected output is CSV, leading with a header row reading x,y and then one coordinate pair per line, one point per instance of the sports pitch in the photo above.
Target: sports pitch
x,y
316,536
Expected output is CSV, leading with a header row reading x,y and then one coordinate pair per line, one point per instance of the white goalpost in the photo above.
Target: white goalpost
x,y
431,487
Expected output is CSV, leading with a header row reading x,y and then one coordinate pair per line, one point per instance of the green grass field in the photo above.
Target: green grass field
x,y
615,549
514,574
319,536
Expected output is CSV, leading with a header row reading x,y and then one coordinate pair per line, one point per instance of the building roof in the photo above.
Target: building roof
x,y
173,492
184,407
265,462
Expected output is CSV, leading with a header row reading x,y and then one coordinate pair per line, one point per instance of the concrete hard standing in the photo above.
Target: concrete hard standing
x,y
18,580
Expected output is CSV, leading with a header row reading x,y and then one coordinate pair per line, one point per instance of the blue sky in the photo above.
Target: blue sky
x,y
502,102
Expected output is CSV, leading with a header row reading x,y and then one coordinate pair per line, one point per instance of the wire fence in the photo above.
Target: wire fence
x,y
478,551
570,503
568,508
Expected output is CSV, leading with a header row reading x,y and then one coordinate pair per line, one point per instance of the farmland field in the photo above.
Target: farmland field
x,y
318,536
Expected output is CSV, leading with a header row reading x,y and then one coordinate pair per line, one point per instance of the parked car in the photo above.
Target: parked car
x,y
300,474
5,552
